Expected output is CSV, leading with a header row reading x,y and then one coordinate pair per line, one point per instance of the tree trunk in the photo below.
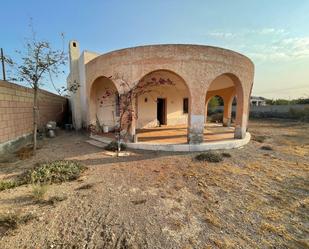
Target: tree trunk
x,y
35,117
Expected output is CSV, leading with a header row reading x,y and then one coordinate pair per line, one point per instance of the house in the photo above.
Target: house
x,y
257,101
198,73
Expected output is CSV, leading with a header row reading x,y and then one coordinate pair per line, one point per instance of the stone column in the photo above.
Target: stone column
x,y
196,118
227,112
241,117
134,120
206,111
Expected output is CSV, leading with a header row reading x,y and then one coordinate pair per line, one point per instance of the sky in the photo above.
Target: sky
x,y
273,33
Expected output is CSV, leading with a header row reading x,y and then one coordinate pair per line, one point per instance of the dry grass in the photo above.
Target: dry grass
x,y
249,200
12,220
39,191
25,152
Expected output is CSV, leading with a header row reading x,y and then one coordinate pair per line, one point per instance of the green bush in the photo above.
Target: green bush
x,y
39,191
8,184
54,172
50,172
209,156
216,118
113,146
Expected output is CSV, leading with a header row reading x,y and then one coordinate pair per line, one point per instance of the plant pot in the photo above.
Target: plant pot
x,y
105,129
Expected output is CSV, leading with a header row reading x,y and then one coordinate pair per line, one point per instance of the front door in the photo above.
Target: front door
x,y
161,111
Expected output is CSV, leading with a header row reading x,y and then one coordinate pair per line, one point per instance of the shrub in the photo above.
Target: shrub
x,y
8,184
54,172
113,146
12,220
39,191
212,157
51,172
216,118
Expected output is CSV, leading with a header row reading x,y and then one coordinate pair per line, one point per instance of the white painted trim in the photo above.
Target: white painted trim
x,y
217,145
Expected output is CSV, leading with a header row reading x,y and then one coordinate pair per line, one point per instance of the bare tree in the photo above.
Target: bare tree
x,y
128,94
37,62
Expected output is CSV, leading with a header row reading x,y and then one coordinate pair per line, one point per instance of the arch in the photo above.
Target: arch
x,y
176,102
102,102
228,92
218,101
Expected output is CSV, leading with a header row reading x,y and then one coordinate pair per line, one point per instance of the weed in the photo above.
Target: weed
x,y
12,220
113,146
54,172
209,157
50,172
8,184
39,191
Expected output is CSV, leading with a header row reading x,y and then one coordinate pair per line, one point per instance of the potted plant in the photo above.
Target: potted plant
x,y
105,128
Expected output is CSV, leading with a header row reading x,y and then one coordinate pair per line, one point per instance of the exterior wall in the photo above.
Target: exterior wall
x,y
84,58
77,75
147,111
275,111
197,65
105,109
16,112
73,78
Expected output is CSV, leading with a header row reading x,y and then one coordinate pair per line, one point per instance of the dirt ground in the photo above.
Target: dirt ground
x,y
254,199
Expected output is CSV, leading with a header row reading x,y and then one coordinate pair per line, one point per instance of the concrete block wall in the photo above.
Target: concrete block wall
x,y
16,110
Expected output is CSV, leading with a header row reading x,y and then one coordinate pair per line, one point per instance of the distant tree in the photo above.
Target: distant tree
x,y
300,101
214,102
37,62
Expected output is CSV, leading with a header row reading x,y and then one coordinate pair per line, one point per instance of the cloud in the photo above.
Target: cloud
x,y
222,35
272,31
265,44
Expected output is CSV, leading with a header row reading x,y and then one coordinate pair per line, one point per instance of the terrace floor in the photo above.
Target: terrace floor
x,y
178,134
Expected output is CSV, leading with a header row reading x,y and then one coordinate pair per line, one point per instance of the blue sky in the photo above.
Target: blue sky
x,y
273,33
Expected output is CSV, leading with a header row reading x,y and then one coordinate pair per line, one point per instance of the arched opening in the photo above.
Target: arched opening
x,y
163,109
104,105
215,109
229,88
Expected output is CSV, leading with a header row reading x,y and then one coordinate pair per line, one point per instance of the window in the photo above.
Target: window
x,y
185,106
117,103
74,44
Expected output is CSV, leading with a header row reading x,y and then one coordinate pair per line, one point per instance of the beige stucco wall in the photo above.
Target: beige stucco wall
x,y
147,111
174,95
105,108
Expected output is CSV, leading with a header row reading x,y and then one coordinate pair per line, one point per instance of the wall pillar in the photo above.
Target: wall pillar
x,y
241,116
206,111
227,112
196,118
132,131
